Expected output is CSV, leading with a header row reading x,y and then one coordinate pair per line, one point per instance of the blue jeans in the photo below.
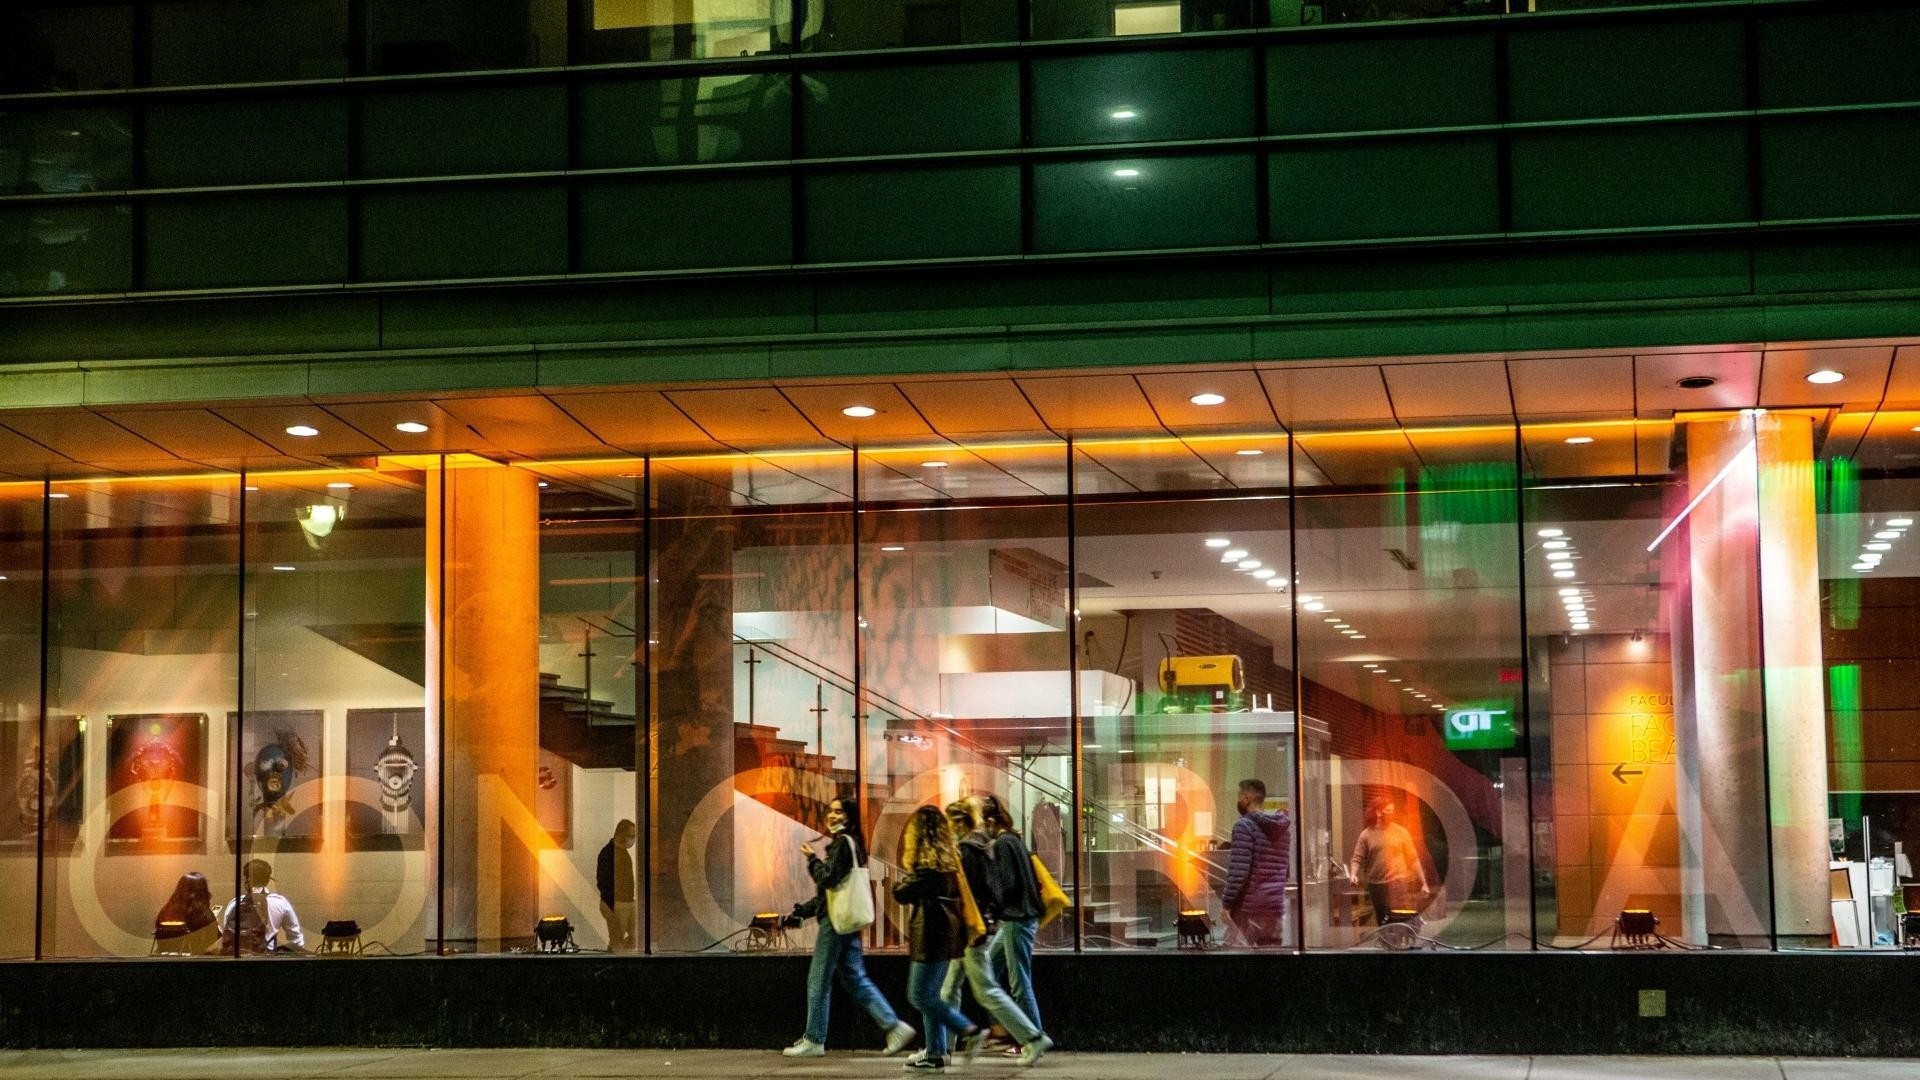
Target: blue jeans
x,y
1011,948
978,968
924,983
839,955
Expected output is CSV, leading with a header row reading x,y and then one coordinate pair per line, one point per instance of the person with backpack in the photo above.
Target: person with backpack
x,y
1017,906
936,934
980,877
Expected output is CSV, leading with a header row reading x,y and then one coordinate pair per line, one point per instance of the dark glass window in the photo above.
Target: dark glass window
x,y
229,41
889,24
82,248
624,31
78,47
684,121
406,37
64,150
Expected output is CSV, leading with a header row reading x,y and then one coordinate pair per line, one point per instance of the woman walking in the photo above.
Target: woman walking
x,y
936,933
837,955
1016,906
979,877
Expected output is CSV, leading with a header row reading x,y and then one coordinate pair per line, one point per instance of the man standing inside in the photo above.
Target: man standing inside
x,y
1386,862
614,876
1255,897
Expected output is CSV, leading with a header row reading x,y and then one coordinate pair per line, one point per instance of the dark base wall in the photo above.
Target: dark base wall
x,y
1767,1004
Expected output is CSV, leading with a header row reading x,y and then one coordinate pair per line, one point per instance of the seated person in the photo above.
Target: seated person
x,y
260,920
186,924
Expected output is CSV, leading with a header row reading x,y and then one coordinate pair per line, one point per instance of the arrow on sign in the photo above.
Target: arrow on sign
x,y
1621,772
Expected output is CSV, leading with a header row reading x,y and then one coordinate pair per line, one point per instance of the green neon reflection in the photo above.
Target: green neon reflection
x,y
1843,712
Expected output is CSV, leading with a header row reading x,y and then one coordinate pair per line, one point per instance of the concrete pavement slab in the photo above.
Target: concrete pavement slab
x,y
188,1064
1373,1067
1626,1067
1849,1068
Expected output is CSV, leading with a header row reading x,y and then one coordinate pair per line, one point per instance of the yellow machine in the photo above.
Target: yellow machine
x,y
1212,673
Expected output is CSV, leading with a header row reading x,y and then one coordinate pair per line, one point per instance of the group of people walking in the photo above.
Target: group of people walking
x,y
969,880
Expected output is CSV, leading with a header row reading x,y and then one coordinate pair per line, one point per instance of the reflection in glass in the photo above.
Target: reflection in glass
x,y
753,688
66,249
892,24
966,666
335,664
59,151
410,37
1188,685
141,667
228,41
1056,19
38,791
1410,655
620,31
66,47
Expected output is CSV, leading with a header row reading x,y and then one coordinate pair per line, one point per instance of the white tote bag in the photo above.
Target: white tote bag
x,y
850,903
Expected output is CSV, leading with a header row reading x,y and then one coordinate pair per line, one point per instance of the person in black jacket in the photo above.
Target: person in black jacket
x,y
836,954
1016,906
613,876
981,879
936,932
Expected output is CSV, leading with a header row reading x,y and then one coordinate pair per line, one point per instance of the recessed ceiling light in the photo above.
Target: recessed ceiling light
x,y
252,487
1563,574
1379,671
1248,564
1863,567
933,464
411,427
858,411
1579,440
304,431
1208,399
1123,114
1556,545
1569,592
1878,545
1276,583
1359,637
1550,533
1263,574
1314,606
1126,174
1234,556
1886,534
1249,453
543,483
340,485
286,568
1825,376
56,495
1219,542
893,547
1697,382
1396,680
1899,523
1331,619
1369,666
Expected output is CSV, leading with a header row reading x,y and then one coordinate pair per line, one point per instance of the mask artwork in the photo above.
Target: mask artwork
x,y
395,771
276,769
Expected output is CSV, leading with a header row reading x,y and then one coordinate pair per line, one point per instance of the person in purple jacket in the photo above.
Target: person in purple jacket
x,y
1255,897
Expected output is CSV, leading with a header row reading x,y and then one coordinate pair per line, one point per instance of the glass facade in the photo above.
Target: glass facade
x,y
1478,686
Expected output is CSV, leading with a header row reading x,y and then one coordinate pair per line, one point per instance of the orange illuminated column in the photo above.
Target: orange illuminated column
x,y
1755,630
483,694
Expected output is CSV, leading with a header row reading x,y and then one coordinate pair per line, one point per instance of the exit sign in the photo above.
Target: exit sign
x,y
1484,727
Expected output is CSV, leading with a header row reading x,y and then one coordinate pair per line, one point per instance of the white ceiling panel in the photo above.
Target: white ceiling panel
x,y
1783,376
1307,397
1435,391
1656,381
1572,386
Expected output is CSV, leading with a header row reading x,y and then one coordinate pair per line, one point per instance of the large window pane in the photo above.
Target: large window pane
x,y
621,31
234,41
966,662
39,797
260,141
593,740
1187,690
1410,656
1126,203
890,24
753,699
142,668
335,770
1127,18
1645,699
71,47
685,121
64,150
78,248
408,37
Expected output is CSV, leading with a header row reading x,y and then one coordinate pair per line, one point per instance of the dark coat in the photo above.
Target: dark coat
x,y
936,930
1257,874
1016,894
976,861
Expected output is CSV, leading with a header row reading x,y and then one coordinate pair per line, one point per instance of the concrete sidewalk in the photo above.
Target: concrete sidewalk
x,y
264,1064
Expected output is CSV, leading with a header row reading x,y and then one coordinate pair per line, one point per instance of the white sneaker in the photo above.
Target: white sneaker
x,y
917,1055
1035,1050
899,1036
805,1048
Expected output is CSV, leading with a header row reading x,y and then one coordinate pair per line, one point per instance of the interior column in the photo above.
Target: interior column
x,y
483,694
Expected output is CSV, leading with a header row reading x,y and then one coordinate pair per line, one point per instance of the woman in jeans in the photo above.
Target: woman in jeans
x,y
836,954
1016,905
977,876
936,933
